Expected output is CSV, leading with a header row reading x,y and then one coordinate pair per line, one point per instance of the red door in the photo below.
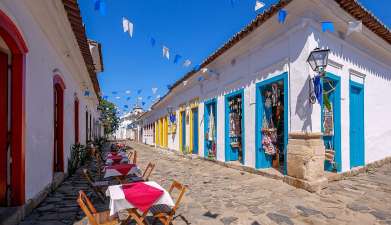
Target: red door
x,y
3,127
58,164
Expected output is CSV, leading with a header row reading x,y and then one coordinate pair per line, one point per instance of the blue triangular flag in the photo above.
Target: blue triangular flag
x,y
100,6
128,98
126,106
177,58
114,92
153,42
143,103
232,2
327,26
168,86
105,97
196,67
139,91
149,97
282,16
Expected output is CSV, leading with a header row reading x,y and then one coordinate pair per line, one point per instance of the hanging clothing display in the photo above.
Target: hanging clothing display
x,y
211,125
235,122
328,125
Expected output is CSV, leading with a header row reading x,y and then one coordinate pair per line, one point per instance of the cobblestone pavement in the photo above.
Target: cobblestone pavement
x,y
220,195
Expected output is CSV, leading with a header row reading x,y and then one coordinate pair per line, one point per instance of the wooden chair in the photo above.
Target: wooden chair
x,y
130,154
94,217
146,174
164,213
134,157
96,186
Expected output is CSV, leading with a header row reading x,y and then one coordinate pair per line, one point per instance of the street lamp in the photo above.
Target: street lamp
x,y
318,60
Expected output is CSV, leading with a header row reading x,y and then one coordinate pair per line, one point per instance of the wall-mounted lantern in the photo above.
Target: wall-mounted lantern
x,y
317,59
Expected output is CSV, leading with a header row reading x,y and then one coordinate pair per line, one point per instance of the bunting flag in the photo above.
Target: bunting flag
x,y
157,97
166,52
114,92
327,26
128,98
177,58
185,82
140,98
149,97
196,67
127,26
187,63
127,92
143,103
153,42
117,97
168,86
105,97
232,2
126,106
100,6
258,5
354,26
139,91
154,90
282,16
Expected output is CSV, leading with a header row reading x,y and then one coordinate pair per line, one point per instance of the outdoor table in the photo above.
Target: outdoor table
x,y
121,170
144,197
116,158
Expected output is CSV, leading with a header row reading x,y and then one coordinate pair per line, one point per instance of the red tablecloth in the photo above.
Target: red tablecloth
x,y
122,168
115,158
141,195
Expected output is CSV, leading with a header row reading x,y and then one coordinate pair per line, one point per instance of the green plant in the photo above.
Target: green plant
x,y
78,157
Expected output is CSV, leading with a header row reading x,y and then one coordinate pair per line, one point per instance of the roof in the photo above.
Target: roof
x,y
76,21
354,8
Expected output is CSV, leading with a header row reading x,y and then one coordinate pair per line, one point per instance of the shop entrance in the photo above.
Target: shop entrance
x,y
183,130
234,127
272,123
210,121
331,108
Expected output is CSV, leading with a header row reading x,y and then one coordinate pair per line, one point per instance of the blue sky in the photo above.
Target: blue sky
x,y
194,29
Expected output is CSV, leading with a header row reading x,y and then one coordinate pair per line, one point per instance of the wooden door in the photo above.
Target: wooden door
x,y
3,127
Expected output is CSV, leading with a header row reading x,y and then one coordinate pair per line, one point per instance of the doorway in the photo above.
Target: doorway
x,y
58,159
4,128
331,122
272,123
194,113
234,127
183,130
357,142
210,122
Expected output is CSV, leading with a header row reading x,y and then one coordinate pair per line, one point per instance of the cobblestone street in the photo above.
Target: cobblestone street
x,y
220,195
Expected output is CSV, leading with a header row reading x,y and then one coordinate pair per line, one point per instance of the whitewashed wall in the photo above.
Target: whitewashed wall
x,y
48,50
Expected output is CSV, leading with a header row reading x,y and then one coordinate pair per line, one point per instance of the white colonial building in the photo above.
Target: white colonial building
x,y
257,93
128,128
49,95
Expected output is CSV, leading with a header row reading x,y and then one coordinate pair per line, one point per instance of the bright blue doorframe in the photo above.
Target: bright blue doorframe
x,y
261,159
207,107
195,130
183,116
232,154
357,142
335,140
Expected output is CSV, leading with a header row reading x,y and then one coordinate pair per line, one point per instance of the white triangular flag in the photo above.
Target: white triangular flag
x,y
258,5
187,63
184,82
354,26
166,52
127,26
154,90
127,92
204,70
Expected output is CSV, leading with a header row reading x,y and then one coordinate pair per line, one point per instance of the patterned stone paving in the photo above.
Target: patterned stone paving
x,y
220,195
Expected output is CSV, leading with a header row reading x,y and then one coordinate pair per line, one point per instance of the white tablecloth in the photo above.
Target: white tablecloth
x,y
118,201
111,172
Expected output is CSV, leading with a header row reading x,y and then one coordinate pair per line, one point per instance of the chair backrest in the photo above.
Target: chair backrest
x,y
181,188
87,207
148,171
135,157
130,154
88,177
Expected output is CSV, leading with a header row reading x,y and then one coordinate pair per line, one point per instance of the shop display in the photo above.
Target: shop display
x,y
273,122
210,134
328,124
235,122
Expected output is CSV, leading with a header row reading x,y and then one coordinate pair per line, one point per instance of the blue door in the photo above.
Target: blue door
x,y
183,116
195,131
357,149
